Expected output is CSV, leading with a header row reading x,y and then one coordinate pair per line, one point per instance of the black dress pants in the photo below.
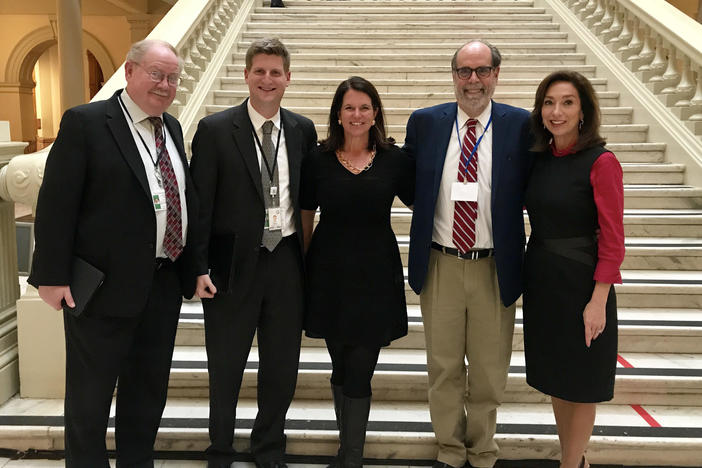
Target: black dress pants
x,y
136,354
273,308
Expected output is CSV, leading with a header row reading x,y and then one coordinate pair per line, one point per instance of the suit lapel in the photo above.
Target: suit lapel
x,y
117,123
499,147
443,133
294,150
243,140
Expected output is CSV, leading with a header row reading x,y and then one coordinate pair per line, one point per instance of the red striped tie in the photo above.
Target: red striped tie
x,y
173,238
466,212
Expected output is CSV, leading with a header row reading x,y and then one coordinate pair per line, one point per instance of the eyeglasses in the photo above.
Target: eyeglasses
x,y
158,76
465,73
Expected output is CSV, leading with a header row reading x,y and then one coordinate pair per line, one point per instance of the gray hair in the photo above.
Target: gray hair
x,y
494,52
268,46
139,49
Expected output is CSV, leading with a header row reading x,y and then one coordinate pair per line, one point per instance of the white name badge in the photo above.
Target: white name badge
x,y
159,199
274,220
464,191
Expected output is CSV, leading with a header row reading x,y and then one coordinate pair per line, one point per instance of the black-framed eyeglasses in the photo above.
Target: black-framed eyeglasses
x,y
158,76
465,73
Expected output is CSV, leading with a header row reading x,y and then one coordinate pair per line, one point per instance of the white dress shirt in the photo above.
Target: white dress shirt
x,y
286,208
140,125
443,216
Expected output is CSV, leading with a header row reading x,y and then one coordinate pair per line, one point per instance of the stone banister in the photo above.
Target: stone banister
x,y
656,41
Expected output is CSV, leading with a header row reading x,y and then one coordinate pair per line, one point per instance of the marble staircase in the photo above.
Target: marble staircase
x,y
404,48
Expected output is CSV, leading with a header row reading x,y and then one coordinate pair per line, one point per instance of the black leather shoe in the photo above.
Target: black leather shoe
x,y
438,464
271,464
277,4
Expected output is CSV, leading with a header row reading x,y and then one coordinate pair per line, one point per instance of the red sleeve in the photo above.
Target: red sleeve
x,y
608,188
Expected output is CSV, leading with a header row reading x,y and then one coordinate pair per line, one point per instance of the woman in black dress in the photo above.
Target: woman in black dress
x,y
575,203
355,282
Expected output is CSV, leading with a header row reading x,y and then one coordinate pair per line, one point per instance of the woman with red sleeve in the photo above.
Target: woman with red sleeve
x,y
575,200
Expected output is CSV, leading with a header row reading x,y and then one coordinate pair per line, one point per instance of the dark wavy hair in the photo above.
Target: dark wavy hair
x,y
335,132
590,130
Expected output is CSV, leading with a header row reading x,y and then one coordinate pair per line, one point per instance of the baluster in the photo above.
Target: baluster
x,y
616,26
624,36
685,89
646,53
654,70
602,26
587,10
595,16
634,44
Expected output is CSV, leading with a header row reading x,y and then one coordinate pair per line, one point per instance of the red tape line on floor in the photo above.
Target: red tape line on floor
x,y
638,408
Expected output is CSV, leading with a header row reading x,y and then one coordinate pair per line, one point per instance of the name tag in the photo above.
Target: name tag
x,y
274,220
464,191
159,199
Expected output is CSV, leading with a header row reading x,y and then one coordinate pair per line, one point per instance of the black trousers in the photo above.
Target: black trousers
x,y
135,352
273,308
353,366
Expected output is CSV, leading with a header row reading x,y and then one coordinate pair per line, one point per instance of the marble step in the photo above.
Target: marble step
x,y
334,8
421,59
640,330
350,16
405,72
398,105
449,28
396,432
642,378
637,222
384,86
378,46
407,38
404,4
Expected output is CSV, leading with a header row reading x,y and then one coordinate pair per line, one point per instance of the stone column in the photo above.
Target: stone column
x,y
70,46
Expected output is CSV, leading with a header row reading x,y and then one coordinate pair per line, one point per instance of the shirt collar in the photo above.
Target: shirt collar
x,y
133,108
257,120
483,118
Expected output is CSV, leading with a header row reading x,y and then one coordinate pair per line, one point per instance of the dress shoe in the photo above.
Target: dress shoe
x,y
277,4
271,464
438,464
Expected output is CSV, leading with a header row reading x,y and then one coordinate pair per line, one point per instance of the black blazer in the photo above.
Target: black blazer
x,y
95,203
226,172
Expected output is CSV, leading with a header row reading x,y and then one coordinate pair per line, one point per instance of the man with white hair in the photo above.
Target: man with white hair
x,y
116,198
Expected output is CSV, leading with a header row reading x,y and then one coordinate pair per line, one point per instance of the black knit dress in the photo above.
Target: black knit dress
x,y
560,264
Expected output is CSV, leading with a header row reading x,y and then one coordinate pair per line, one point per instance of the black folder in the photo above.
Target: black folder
x,y
85,280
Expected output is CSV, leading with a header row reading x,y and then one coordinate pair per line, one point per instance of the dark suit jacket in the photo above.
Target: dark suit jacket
x,y
95,203
226,171
428,133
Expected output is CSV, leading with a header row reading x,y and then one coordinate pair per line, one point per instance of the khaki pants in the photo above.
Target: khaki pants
x,y
464,318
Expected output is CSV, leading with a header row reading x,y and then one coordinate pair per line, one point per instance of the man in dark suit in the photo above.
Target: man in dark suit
x,y
466,249
117,194
246,161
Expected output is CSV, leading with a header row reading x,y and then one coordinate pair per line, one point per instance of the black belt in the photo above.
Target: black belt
x,y
161,262
470,255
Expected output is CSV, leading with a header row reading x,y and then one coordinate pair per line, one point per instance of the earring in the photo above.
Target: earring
x,y
339,121
580,125
373,122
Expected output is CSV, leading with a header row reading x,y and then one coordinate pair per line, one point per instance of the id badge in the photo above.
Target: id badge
x,y
464,191
273,219
159,200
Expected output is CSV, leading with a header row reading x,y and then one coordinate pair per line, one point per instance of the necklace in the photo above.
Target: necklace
x,y
353,169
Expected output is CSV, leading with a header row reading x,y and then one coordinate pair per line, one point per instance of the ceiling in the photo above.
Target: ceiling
x,y
89,7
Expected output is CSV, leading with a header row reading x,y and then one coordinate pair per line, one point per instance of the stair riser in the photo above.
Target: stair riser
x,y
427,60
412,386
352,16
297,49
449,29
411,73
631,340
406,39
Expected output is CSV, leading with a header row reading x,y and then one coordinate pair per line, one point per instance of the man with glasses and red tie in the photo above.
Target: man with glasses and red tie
x,y
115,201
466,251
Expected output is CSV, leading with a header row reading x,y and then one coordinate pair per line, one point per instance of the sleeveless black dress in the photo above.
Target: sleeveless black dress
x,y
355,287
560,264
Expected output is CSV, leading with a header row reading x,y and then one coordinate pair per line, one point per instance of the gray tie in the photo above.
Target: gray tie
x,y
270,238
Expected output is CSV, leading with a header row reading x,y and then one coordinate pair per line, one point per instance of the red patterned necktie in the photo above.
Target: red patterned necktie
x,y
466,212
173,238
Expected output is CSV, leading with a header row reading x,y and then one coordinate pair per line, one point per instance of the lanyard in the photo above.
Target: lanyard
x,y
477,143
269,169
158,156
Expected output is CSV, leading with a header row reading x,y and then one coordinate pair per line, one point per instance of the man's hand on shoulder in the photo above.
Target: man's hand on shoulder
x,y
53,295
205,288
